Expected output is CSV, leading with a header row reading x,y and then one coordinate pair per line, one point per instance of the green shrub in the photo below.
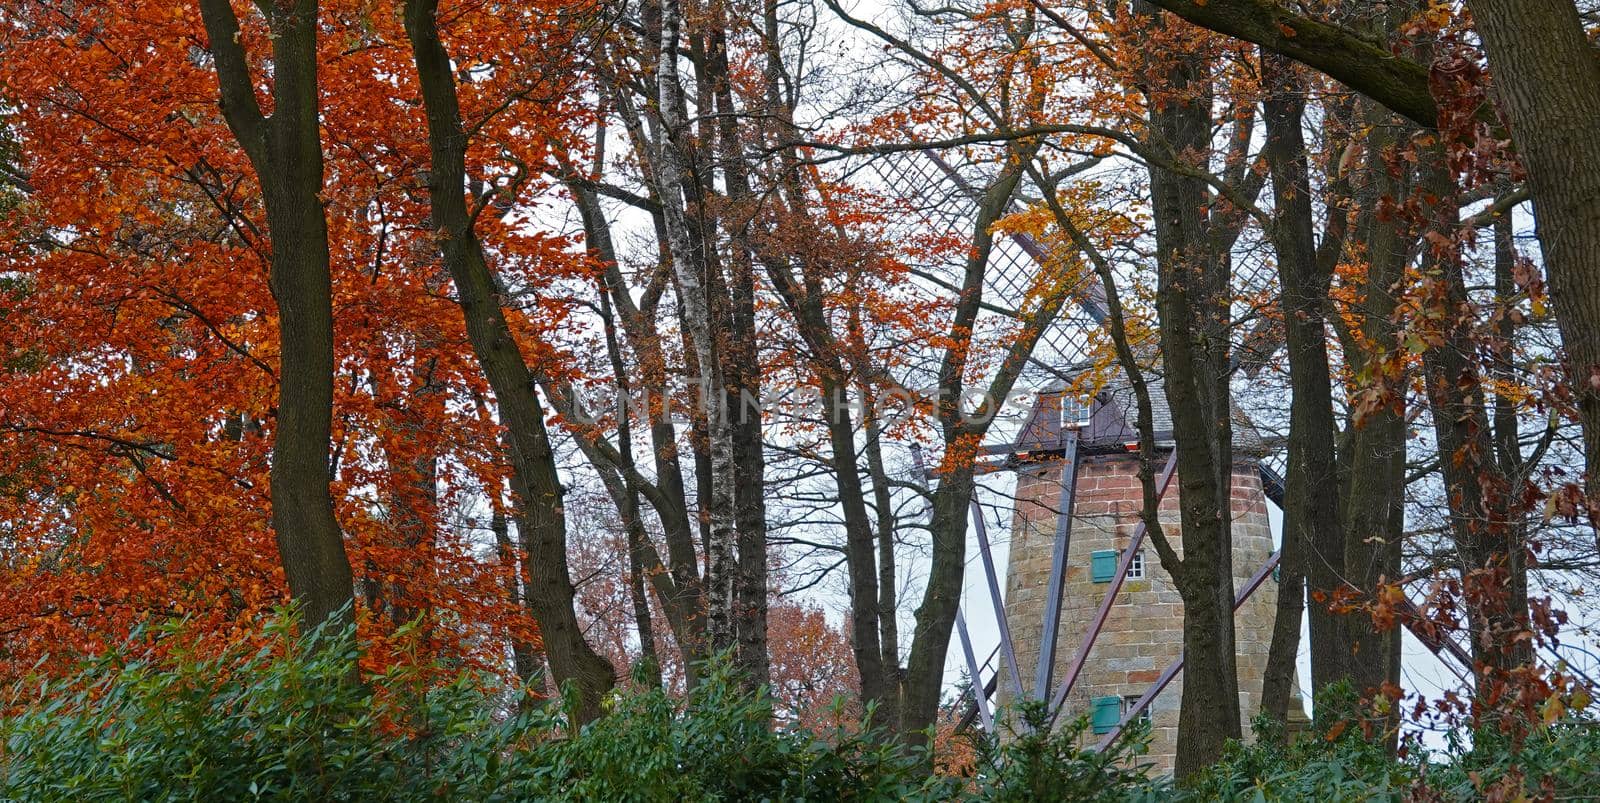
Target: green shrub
x,y
1037,763
288,722
285,721
1335,761
1338,762
279,722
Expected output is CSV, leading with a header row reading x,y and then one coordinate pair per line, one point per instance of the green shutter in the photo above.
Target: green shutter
x,y
1107,714
1103,565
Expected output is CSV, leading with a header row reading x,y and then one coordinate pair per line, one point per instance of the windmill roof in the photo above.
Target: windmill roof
x,y
1112,418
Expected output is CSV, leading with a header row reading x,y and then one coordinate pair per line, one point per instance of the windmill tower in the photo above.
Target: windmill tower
x,y
1115,610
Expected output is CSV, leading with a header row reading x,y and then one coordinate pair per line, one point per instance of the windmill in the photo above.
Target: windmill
x,y
943,196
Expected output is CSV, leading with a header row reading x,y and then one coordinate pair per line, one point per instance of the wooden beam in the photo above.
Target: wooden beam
x,y
1058,568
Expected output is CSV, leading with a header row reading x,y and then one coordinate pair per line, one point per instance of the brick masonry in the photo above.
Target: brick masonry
x,y
1144,630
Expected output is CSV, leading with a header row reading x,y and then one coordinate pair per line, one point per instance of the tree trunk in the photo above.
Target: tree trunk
x,y
888,582
1192,301
860,550
941,599
541,520
952,500
673,187
1477,496
526,662
1547,79
743,372
285,150
1311,504
1373,447
647,393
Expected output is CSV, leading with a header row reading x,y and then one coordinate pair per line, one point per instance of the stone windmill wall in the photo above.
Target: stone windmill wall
x,y
1143,632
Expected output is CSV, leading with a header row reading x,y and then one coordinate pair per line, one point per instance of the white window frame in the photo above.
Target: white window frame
x,y
1136,570
1075,413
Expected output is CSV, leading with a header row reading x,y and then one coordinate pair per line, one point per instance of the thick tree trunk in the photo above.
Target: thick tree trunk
x,y
1192,301
1361,65
541,520
285,151
1547,79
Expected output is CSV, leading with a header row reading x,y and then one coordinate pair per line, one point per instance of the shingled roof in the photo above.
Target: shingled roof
x,y
1112,419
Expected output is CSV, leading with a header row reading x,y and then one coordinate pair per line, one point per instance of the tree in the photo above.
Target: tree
x,y
141,430
285,150
536,484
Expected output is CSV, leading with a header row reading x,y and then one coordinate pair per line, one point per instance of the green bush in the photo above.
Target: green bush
x,y
1338,762
281,722
288,722
1335,761
1037,763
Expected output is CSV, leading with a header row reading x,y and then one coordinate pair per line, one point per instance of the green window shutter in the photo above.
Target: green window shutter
x,y
1103,565
1107,714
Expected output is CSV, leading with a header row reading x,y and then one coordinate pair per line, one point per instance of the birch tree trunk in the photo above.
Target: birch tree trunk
x,y
670,175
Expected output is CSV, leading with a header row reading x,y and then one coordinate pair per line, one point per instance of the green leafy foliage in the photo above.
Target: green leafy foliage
x,y
1338,760
1037,763
287,721
1334,761
284,718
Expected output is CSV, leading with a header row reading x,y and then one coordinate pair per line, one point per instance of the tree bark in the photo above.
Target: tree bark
x,y
1343,55
1372,449
673,186
888,581
1193,295
646,388
541,520
1311,504
860,548
741,364
526,662
285,151
952,500
1477,495
1547,79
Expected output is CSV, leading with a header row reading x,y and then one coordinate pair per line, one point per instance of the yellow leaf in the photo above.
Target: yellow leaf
x,y
1553,709
1580,700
